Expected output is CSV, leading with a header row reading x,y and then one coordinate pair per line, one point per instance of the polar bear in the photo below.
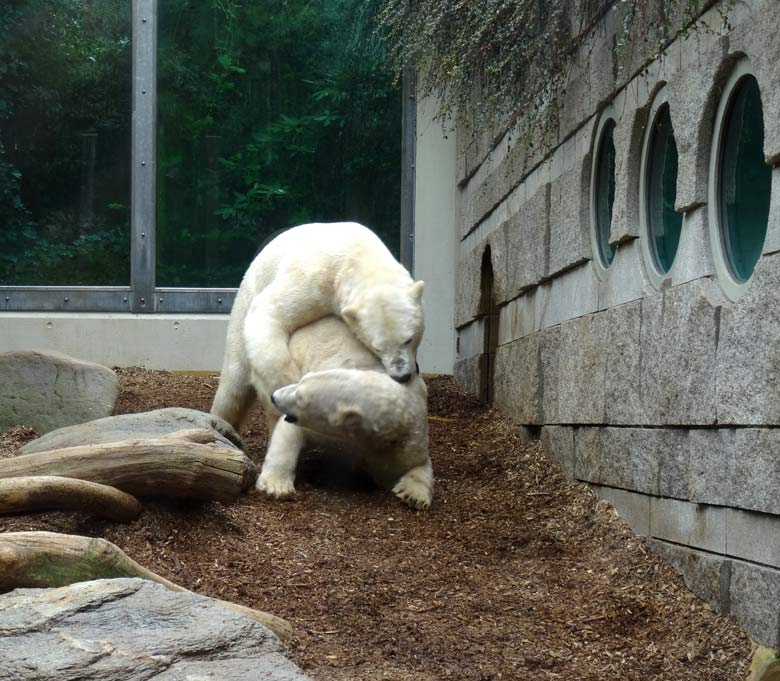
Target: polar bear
x,y
345,401
304,274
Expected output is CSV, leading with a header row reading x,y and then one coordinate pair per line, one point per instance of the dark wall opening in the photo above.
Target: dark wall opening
x,y
488,313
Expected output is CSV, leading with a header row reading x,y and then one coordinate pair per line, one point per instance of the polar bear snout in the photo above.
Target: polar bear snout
x,y
285,400
400,366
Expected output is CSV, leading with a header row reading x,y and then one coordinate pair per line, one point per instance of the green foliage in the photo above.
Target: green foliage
x,y
59,92
497,60
270,114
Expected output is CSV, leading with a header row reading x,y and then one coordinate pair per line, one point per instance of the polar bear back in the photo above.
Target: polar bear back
x,y
329,344
322,253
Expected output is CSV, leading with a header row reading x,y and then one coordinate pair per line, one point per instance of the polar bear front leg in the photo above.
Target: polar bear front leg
x,y
415,487
277,477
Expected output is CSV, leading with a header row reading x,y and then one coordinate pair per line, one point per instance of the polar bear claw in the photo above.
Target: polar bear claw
x,y
275,486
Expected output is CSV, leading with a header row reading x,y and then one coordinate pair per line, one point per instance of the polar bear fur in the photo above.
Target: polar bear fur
x,y
345,401
304,274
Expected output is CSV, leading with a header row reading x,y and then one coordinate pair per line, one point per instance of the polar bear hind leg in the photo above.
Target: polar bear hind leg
x,y
414,487
235,394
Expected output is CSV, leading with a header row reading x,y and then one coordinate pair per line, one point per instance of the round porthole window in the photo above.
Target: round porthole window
x,y
740,182
661,223
603,192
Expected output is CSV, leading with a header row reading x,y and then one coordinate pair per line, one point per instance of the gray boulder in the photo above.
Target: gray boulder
x,y
48,390
133,630
147,424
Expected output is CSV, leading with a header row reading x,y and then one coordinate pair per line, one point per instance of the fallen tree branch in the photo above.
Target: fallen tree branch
x,y
50,559
52,492
183,464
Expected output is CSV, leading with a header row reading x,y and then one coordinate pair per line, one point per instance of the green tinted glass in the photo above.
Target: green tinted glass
x,y
605,192
744,182
663,222
65,115
270,115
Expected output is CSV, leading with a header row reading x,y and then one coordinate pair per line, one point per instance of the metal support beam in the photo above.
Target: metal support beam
x,y
408,160
144,155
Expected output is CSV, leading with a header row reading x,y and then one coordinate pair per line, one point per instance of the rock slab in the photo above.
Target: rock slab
x,y
133,630
47,390
149,424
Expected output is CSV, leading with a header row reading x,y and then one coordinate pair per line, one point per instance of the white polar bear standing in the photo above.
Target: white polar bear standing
x,y
302,275
345,401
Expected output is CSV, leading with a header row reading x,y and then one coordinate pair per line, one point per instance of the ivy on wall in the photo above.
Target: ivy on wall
x,y
498,60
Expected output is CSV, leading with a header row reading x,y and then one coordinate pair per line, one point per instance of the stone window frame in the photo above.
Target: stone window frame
x,y
608,114
732,288
656,277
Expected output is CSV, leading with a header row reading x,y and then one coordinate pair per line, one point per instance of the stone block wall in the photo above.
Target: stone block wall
x,y
665,399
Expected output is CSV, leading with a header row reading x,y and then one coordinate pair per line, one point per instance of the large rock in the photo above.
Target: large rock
x,y
748,362
623,401
468,373
527,236
570,218
679,340
582,367
648,460
47,390
738,467
132,630
148,424
518,380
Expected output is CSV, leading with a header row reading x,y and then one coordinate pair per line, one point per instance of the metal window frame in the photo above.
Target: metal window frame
x,y
143,296
408,165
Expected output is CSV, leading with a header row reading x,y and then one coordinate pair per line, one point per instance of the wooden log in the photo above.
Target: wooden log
x,y
184,464
52,492
51,559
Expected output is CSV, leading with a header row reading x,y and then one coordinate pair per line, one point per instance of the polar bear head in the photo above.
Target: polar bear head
x,y
388,320
349,402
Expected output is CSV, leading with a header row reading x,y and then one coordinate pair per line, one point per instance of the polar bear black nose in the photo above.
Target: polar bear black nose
x,y
403,379
273,401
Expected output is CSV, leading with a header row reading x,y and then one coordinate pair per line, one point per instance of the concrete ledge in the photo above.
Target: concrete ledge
x,y
163,341
748,592
682,522
632,507
708,576
559,441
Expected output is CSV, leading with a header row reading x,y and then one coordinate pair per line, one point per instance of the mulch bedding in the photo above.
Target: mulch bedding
x,y
514,573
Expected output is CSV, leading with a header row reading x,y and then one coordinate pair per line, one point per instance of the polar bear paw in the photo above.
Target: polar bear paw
x,y
277,487
413,491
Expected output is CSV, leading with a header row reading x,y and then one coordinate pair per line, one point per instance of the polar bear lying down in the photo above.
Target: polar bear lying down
x,y
345,401
305,274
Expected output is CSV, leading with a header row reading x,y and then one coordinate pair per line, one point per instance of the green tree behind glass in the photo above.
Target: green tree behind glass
x,y
271,114
283,114
64,87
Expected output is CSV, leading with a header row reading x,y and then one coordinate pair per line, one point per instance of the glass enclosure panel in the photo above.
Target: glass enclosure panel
x,y
605,192
664,223
745,181
65,115
270,115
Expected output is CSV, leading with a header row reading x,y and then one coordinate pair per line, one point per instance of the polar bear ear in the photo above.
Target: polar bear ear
x,y
350,315
416,290
349,418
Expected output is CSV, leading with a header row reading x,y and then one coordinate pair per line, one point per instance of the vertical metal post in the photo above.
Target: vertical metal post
x,y
408,161
144,156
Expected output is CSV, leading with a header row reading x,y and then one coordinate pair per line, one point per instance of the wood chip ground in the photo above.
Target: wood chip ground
x,y
513,574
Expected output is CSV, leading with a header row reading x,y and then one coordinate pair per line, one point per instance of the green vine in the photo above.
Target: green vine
x,y
500,60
